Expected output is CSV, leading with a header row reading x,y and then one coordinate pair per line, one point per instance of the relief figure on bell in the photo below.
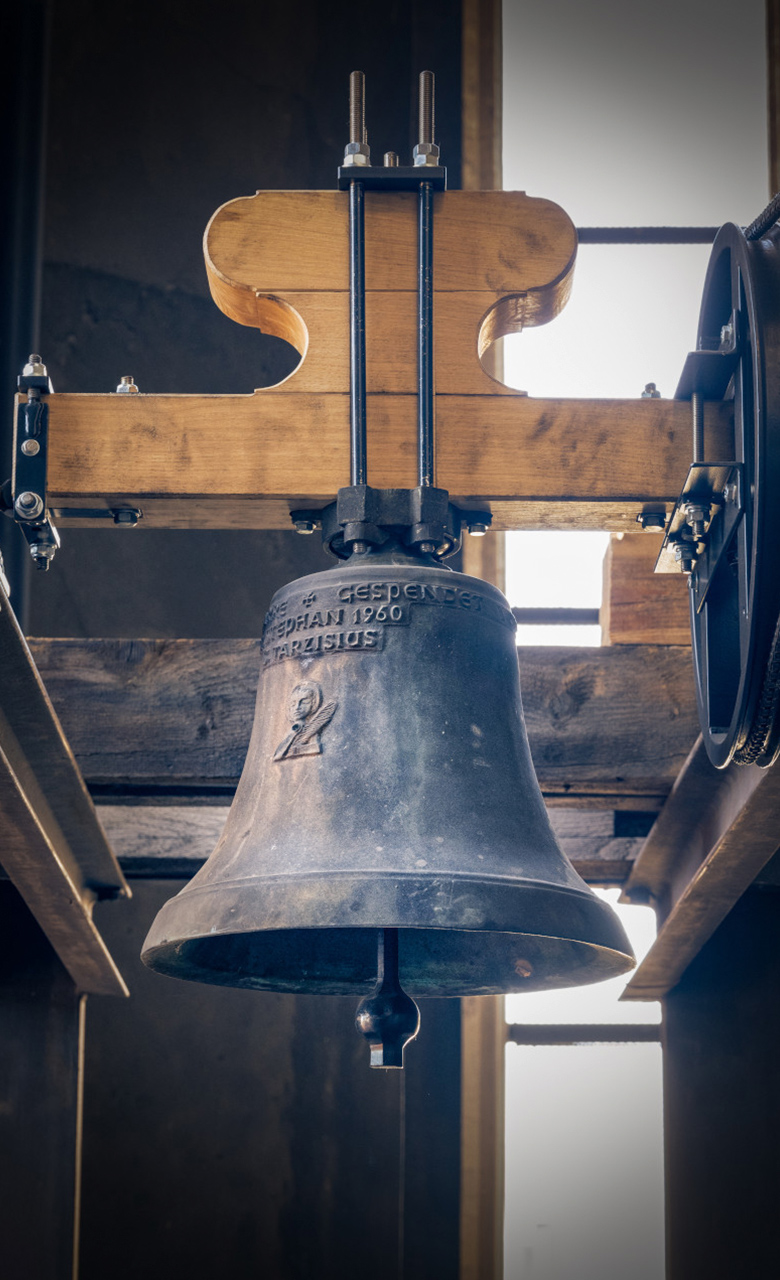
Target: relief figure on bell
x,y
308,717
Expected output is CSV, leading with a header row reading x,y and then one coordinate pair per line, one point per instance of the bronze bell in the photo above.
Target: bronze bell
x,y
388,786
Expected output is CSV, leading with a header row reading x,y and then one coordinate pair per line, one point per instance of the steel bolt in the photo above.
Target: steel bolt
x,y
478,529
651,392
696,516
127,385
428,548
357,150
426,152
730,492
42,554
391,160
685,555
30,448
303,526
359,548
29,504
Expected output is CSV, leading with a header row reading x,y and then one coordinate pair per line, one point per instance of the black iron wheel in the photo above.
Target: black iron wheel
x,y
736,630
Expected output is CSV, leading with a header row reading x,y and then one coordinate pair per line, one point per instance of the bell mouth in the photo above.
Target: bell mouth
x,y
558,937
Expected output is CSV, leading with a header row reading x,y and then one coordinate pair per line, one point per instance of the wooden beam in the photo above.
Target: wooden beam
x,y
157,718
245,461
716,832
481,78
640,606
51,844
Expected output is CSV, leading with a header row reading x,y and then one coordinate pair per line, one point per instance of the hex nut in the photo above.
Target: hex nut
x,y
357,153
426,153
478,529
29,505
127,385
35,368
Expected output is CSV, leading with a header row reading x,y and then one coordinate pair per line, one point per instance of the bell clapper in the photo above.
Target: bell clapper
x,y
389,1019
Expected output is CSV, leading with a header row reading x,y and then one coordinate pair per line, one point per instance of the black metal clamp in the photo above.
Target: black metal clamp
x,y
23,497
27,501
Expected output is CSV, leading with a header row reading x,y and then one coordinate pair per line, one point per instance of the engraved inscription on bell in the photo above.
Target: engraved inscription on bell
x,y
308,719
355,616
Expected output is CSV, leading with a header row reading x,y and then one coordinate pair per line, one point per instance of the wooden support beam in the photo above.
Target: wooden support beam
x,y
640,606
176,839
246,461
51,844
164,718
716,832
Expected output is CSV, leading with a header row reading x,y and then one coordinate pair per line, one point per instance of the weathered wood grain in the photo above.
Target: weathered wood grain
x,y
276,242
176,714
176,839
716,832
245,461
640,606
51,845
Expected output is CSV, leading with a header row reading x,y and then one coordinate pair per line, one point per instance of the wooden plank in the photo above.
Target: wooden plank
x,y
245,461
176,839
481,80
277,242
41,1081
483,1045
174,716
317,325
717,831
640,606
51,844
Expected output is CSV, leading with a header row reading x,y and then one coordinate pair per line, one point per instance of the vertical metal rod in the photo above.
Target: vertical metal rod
x,y
425,108
357,107
697,413
357,333
425,394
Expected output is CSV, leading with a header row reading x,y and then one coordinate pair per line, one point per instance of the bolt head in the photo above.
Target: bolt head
x,y
651,392
303,526
428,548
29,504
30,448
651,521
478,529
127,385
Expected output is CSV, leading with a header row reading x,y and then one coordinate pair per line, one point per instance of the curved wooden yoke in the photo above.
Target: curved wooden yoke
x,y
278,261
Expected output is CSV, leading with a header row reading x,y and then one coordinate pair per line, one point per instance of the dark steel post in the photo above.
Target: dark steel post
x,y
425,152
357,154
425,400
697,413
357,334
